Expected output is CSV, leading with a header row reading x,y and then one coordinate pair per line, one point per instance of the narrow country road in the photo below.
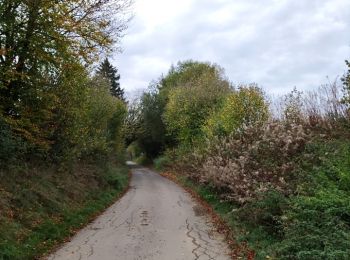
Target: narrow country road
x,y
156,219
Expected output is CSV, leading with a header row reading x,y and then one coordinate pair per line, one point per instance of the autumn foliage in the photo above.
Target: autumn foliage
x,y
61,130
50,104
280,163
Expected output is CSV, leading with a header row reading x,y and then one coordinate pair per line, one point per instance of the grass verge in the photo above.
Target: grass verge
x,y
38,211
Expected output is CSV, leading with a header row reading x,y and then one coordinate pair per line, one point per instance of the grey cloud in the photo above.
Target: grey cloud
x,y
277,44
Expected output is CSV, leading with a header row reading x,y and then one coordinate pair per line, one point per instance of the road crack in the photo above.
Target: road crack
x,y
188,233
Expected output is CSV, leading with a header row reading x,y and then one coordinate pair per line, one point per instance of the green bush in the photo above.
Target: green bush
x,y
116,177
317,222
133,151
266,212
143,160
161,162
317,227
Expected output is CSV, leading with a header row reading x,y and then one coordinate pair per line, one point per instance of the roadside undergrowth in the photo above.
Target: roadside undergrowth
x,y
41,211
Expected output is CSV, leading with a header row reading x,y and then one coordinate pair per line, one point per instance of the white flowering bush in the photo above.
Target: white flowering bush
x,y
246,165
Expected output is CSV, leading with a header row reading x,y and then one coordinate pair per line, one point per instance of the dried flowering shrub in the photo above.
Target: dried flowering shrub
x,y
260,159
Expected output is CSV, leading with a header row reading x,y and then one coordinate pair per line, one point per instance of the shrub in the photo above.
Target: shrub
x,y
161,162
260,159
317,227
316,223
266,212
133,151
293,112
143,160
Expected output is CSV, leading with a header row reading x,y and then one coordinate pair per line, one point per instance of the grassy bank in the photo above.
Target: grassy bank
x,y
42,207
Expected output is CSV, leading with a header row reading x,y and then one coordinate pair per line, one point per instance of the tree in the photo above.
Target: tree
x,y
172,112
346,83
200,90
293,106
144,126
110,73
243,108
185,72
152,139
90,121
39,40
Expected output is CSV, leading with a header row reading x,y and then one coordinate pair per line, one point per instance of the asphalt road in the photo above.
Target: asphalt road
x,y
156,219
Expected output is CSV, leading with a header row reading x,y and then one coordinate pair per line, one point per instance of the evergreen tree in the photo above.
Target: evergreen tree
x,y
109,72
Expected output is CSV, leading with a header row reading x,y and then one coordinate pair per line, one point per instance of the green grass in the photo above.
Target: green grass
x,y
161,162
38,223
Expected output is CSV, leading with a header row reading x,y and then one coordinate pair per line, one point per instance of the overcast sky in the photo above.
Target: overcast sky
x,y
278,44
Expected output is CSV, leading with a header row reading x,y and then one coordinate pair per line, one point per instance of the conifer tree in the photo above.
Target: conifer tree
x,y
109,72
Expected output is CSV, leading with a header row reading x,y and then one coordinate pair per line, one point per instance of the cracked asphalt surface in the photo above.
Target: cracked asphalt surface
x,y
156,219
